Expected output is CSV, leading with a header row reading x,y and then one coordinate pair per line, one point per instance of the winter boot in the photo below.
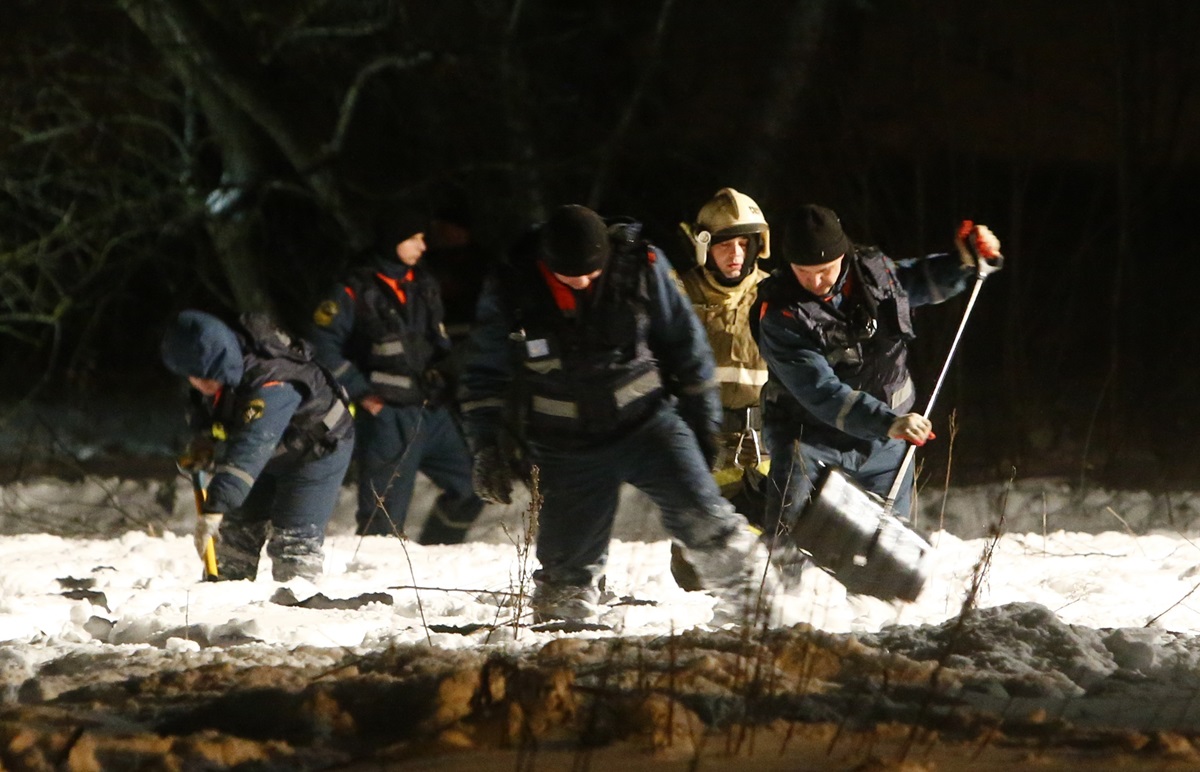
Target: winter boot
x,y
296,553
238,549
683,572
450,519
377,522
789,562
738,572
564,601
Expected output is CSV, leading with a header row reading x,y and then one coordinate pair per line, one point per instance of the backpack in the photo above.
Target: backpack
x,y
318,423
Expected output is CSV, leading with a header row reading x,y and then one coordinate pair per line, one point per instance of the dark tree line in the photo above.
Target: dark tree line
x,y
232,155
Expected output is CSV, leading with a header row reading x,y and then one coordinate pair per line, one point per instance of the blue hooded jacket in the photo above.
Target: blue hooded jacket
x,y
201,345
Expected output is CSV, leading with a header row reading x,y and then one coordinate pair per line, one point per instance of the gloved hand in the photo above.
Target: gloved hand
x,y
912,427
198,456
693,410
207,525
435,387
709,446
977,242
490,476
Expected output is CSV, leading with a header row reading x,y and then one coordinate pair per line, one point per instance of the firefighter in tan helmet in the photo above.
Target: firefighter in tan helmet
x,y
728,238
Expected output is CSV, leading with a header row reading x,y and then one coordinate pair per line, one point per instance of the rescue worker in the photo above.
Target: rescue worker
x,y
587,358
381,333
834,326
283,434
729,237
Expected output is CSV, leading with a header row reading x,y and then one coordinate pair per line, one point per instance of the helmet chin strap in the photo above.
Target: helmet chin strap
x,y
710,265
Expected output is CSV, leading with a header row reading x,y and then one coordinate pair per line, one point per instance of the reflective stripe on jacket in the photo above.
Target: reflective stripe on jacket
x,y
381,331
571,377
725,314
283,408
830,381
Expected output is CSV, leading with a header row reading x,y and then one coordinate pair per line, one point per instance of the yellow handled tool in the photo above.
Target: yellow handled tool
x,y
210,560
210,549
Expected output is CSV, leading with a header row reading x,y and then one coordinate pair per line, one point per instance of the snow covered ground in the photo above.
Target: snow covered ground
x,y
124,577
1090,601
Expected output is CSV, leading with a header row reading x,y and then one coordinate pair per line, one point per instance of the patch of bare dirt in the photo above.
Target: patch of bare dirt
x,y
793,699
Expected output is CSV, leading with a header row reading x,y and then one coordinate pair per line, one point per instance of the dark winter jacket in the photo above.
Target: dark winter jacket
x,y
381,331
570,369
276,405
838,365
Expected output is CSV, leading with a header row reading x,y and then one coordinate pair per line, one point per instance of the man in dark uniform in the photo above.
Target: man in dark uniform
x,y
287,438
834,327
587,357
381,333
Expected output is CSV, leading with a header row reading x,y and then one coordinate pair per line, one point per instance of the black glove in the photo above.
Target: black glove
x,y
693,410
709,446
435,387
198,457
490,476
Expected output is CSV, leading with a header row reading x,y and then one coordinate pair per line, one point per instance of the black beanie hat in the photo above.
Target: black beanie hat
x,y
816,237
394,226
574,241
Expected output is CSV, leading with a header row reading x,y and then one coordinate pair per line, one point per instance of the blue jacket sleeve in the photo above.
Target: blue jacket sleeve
x,y
933,278
795,359
332,324
680,343
251,445
488,371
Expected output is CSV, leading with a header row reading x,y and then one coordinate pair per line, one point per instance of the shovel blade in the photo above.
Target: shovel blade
x,y
849,534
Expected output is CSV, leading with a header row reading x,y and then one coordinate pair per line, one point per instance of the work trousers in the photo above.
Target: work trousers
x,y
581,490
392,447
796,466
291,503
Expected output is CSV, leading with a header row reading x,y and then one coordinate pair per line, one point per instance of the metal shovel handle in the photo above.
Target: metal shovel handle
x,y
984,267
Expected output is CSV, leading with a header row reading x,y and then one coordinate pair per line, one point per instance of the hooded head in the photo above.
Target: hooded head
x,y
575,241
200,345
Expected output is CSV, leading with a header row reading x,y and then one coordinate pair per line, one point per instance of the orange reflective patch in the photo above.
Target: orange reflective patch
x,y
394,285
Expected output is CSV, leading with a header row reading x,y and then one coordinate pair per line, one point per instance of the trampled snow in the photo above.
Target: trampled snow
x,y
120,575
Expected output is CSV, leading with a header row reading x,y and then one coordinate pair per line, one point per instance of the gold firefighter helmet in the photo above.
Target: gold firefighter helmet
x,y
726,215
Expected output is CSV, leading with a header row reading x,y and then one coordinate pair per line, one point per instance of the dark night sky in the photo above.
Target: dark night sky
x,y
1069,127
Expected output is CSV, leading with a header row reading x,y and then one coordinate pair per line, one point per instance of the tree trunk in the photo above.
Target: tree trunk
x,y
253,119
